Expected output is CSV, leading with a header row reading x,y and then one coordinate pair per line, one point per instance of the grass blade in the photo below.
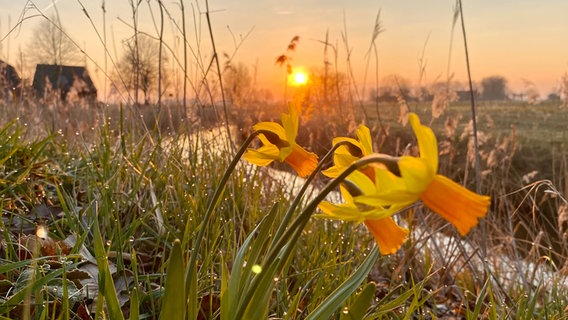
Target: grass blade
x,y
134,305
173,301
106,283
337,297
359,307
193,304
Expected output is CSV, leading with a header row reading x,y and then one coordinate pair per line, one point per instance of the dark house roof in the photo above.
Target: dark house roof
x,y
9,80
50,78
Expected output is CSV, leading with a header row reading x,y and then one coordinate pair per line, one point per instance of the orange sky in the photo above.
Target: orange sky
x,y
520,40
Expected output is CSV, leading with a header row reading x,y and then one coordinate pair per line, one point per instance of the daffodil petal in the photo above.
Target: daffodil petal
x,y
386,180
415,173
272,127
427,142
398,198
347,197
362,181
290,122
263,156
345,212
344,160
341,162
332,172
346,139
364,136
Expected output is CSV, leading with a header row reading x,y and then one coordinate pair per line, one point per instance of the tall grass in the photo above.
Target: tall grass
x,y
124,191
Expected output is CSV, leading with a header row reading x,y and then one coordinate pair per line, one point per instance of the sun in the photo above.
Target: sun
x,y
299,78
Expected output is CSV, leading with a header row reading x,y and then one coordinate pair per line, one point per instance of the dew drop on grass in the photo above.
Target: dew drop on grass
x,y
345,310
256,269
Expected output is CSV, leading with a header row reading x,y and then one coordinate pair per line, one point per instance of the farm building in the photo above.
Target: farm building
x,y
9,81
49,78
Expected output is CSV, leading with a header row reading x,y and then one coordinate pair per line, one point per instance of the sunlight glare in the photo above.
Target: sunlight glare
x,y
299,78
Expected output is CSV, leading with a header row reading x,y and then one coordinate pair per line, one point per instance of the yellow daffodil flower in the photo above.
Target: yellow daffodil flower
x,y
279,143
388,235
415,179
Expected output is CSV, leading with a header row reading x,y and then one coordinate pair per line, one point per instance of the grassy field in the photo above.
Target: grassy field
x,y
115,198
144,211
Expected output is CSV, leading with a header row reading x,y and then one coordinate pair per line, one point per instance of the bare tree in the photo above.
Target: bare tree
x,y
238,83
139,65
51,44
494,88
530,91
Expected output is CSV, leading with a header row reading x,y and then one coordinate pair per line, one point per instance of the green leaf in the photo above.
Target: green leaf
x,y
480,299
65,298
193,305
358,309
174,299
338,297
258,308
106,282
240,278
134,305
230,296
